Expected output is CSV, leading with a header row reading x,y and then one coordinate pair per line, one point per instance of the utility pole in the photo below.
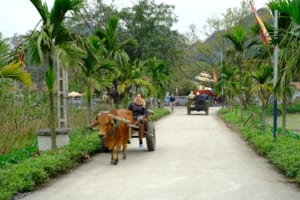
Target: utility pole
x,y
275,75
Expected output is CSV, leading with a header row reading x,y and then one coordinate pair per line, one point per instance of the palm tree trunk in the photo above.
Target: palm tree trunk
x,y
263,118
89,101
284,113
241,94
51,120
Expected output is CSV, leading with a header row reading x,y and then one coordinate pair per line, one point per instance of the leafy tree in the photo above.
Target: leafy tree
x,y
228,83
53,44
11,70
15,71
233,17
159,75
288,40
131,77
113,46
4,52
150,24
97,70
263,87
238,38
94,15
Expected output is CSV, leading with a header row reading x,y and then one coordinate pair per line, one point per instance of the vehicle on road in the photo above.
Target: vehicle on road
x,y
199,101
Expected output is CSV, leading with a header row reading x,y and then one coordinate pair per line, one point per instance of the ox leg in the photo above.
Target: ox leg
x,y
124,151
115,155
113,161
118,147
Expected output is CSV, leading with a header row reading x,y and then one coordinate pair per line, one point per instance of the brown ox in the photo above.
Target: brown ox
x,y
113,127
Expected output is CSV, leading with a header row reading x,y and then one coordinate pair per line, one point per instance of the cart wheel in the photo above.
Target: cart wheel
x,y
151,138
103,147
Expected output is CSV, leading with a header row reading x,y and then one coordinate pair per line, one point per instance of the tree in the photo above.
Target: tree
x,y
233,17
228,83
51,45
15,71
237,36
288,41
113,49
150,24
97,70
159,74
263,87
131,77
11,69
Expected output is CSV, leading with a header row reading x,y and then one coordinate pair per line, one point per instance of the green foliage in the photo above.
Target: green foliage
x,y
291,108
15,71
159,113
25,175
17,155
286,155
283,152
22,173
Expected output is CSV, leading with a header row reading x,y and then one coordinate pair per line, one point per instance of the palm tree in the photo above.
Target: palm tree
x,y
237,36
12,70
112,46
53,44
131,75
97,70
160,76
16,72
263,87
288,40
4,52
228,81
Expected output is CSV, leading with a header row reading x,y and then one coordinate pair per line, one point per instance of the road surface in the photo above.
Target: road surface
x,y
197,158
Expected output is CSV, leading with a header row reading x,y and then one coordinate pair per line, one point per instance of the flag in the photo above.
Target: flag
x,y
20,56
264,34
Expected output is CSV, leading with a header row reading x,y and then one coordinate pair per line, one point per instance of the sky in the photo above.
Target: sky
x,y
20,16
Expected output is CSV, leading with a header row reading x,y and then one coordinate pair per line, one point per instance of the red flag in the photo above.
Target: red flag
x,y
264,34
20,56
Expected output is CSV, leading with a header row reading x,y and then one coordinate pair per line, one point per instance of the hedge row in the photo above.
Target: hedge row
x,y
283,151
22,169
25,175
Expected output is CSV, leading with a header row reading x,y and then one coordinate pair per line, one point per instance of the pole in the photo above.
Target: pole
x,y
222,83
275,75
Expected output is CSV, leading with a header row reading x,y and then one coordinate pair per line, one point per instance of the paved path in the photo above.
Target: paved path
x,y
197,158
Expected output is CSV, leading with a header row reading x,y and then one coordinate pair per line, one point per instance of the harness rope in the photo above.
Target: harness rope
x,y
120,119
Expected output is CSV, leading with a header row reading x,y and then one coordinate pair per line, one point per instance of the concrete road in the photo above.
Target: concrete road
x,y
197,158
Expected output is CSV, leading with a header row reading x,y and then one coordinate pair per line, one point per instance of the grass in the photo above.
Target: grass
x,y
21,170
283,152
292,122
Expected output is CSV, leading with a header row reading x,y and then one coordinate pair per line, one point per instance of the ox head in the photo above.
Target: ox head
x,y
105,122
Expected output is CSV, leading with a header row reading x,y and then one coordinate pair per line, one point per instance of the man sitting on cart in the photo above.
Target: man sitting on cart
x,y
140,115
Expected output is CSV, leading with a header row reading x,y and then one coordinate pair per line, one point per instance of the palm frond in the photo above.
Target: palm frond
x,y
16,72
70,55
42,9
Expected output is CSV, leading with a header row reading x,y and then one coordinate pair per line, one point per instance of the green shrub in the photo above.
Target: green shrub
x,y
24,174
284,152
17,155
286,155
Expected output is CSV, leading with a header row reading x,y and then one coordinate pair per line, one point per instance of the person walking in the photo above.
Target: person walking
x,y
172,102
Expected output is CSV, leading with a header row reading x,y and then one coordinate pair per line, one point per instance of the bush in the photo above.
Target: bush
x,y
284,152
17,155
30,169
26,174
